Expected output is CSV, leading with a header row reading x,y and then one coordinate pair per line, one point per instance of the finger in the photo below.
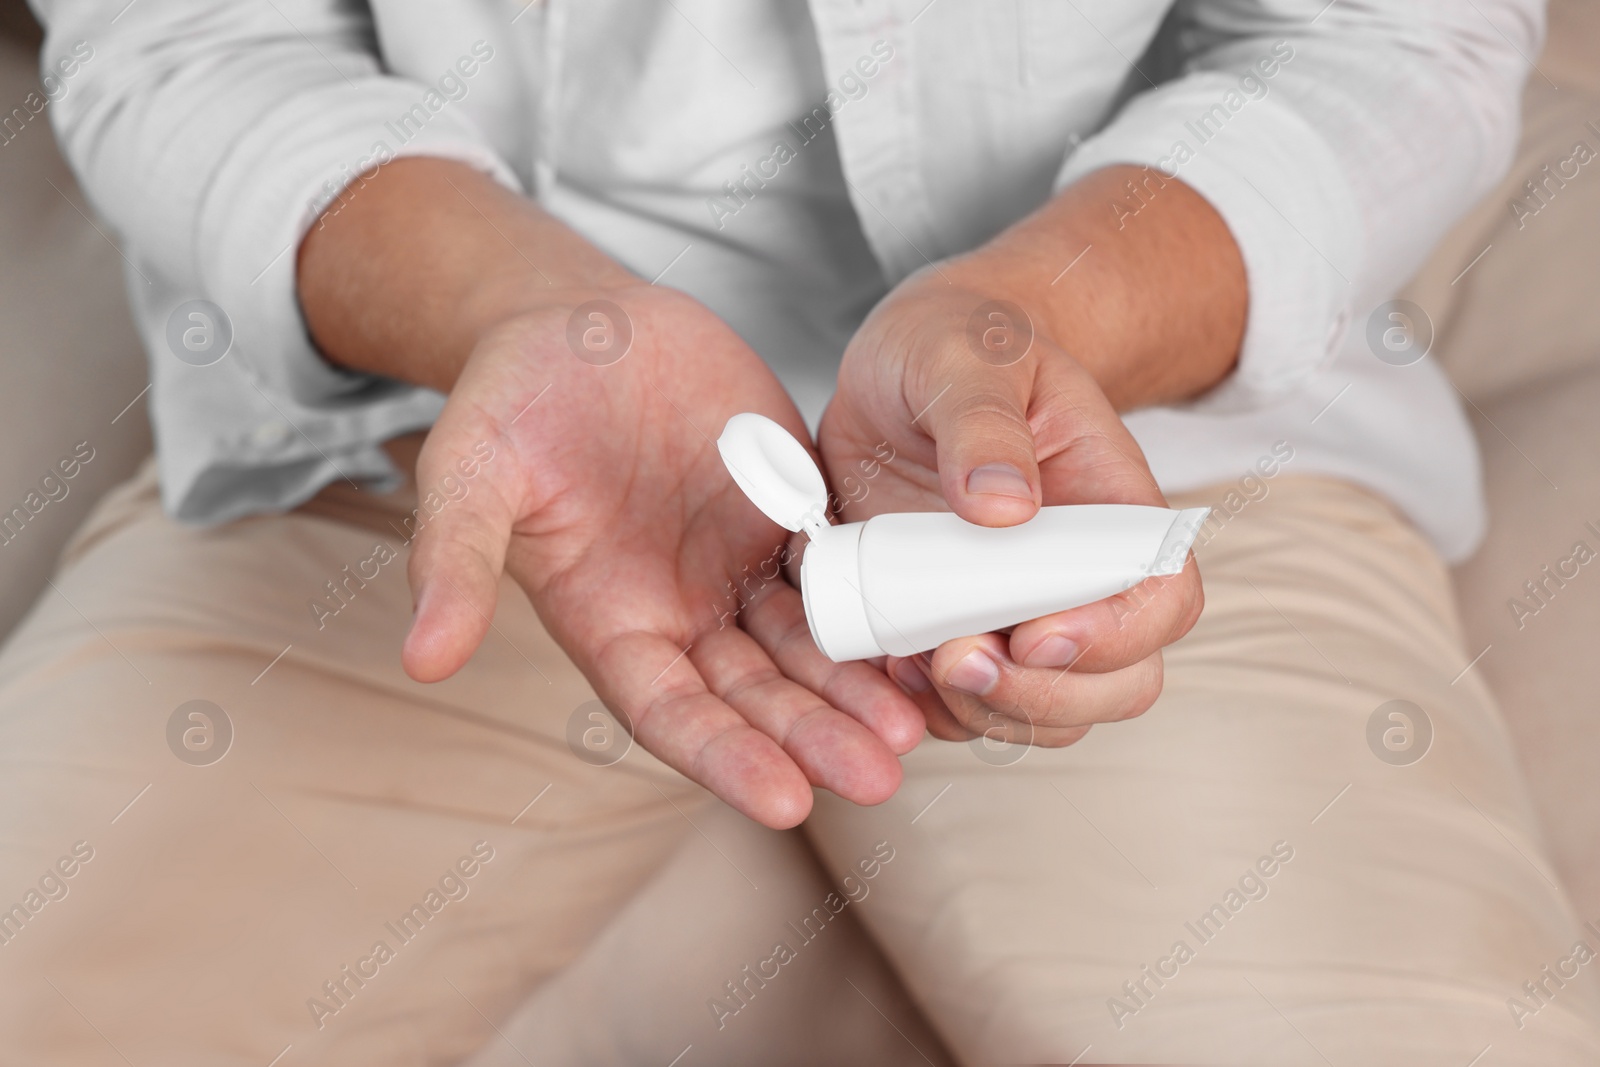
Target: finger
x,y
976,676
988,723
999,728
690,729
835,751
457,554
777,621
1117,632
1086,454
977,414
911,675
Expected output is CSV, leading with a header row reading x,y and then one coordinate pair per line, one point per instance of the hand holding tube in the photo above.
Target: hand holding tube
x,y
990,443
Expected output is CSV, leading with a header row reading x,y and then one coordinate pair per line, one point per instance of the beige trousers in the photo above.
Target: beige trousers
x,y
326,863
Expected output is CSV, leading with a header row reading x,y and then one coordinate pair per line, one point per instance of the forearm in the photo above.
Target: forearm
x,y
1155,301
403,276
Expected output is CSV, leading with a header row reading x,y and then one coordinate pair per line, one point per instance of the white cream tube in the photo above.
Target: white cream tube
x,y
905,583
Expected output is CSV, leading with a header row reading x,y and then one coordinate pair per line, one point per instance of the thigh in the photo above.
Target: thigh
x,y
1254,870
324,861
742,950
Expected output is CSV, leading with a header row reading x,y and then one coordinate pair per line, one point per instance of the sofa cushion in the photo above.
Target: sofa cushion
x,y
1519,333
70,360
1530,604
1510,288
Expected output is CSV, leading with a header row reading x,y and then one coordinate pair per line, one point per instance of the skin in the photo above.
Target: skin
x,y
1153,312
607,503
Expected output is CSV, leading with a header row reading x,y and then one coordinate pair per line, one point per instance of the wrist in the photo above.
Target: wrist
x,y
1152,304
486,307
432,257
573,329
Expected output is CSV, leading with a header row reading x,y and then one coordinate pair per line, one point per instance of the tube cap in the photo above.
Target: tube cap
x,y
778,475
775,471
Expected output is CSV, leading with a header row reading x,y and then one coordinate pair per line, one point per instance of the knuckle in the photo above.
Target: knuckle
x,y
1059,701
994,413
1194,604
1146,688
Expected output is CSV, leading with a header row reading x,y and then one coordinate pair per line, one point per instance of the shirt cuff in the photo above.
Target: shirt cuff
x,y
273,186
1284,197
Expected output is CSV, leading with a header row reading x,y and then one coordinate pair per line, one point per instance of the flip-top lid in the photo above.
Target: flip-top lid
x,y
775,471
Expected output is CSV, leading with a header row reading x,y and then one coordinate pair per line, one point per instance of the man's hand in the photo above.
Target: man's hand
x,y
1154,311
605,499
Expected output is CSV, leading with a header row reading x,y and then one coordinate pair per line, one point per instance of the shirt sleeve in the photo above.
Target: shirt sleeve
x,y
1338,141
210,134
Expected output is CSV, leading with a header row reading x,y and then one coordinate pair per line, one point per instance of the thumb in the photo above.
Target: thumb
x,y
987,468
462,527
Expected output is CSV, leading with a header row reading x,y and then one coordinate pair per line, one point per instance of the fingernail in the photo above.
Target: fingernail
x,y
1053,651
910,676
974,673
999,479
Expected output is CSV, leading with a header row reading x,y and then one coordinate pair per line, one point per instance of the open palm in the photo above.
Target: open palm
x,y
607,502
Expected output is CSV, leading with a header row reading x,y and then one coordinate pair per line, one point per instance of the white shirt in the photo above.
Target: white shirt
x,y
1337,141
